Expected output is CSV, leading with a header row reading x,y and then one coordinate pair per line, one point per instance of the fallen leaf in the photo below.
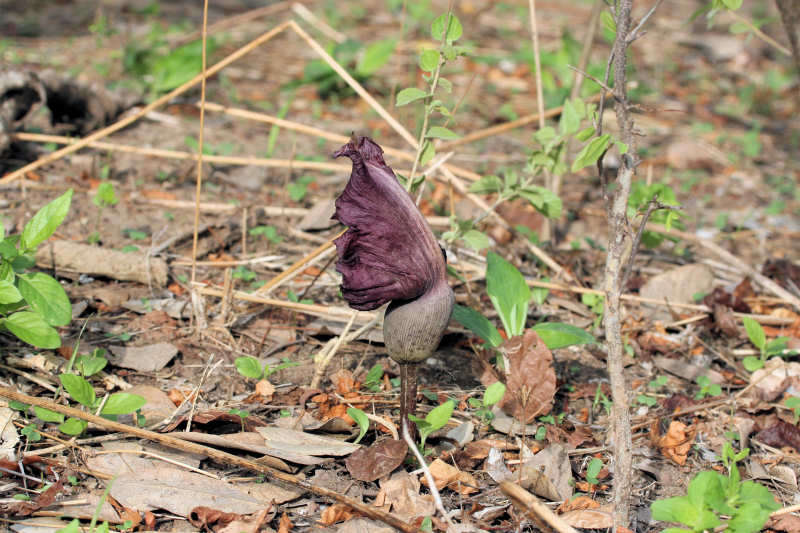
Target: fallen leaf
x,y
770,381
362,525
548,473
601,517
779,435
305,443
401,494
677,442
284,524
529,375
376,461
578,503
787,522
445,475
143,358
337,512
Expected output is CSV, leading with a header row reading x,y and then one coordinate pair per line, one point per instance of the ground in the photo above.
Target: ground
x,y
715,108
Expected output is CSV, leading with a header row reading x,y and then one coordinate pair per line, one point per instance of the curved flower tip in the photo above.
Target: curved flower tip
x,y
388,252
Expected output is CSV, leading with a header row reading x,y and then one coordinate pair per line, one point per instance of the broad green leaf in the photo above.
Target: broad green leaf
x,y
585,134
544,200
375,56
428,152
487,185
477,240
494,393
733,5
454,29
508,292
73,426
45,221
440,132
31,327
591,152
90,365
557,335
408,95
429,60
122,403
46,415
755,332
47,297
72,527
570,120
105,195
249,367
9,294
80,389
439,416
608,22
705,490
592,469
477,324
751,491
361,419
749,518
6,270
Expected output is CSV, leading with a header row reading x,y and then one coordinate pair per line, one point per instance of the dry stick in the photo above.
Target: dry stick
x,y
317,132
237,20
327,355
321,26
58,154
217,455
728,257
533,508
437,498
199,181
620,247
173,154
760,34
396,126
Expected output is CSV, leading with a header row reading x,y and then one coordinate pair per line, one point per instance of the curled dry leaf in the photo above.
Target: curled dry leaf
x,y
600,518
337,512
445,475
775,377
529,377
377,461
780,435
677,441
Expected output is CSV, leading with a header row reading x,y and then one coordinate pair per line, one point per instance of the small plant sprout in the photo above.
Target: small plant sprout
x,y
250,367
593,469
707,388
755,333
241,414
435,420
361,419
793,403
493,394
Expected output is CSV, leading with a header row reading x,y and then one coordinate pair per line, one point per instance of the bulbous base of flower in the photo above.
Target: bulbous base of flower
x,y
412,329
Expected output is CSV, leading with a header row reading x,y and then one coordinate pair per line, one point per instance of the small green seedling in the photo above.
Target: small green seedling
x,y
793,403
33,304
644,399
600,398
657,383
90,364
435,420
755,333
593,469
242,414
250,367
268,232
361,419
493,394
707,388
714,500
103,198
373,379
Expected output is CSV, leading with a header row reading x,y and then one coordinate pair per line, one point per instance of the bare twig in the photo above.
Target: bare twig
x,y
534,509
200,137
437,498
653,205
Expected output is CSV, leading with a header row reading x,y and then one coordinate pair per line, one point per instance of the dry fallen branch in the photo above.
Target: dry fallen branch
x,y
212,453
534,509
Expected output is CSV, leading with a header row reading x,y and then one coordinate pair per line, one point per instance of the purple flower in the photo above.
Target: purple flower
x,y
388,252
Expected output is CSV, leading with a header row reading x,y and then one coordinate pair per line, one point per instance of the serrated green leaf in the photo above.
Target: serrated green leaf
x,y
478,324
556,335
454,29
32,328
440,132
361,419
486,185
429,60
543,199
494,393
9,294
45,221
439,416
755,332
508,292
447,85
408,95
591,152
375,56
80,389
122,403
249,367
46,415
47,297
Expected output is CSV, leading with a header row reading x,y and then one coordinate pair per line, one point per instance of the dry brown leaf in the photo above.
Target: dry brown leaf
x,y
677,441
401,492
285,525
337,512
600,517
376,461
578,503
445,475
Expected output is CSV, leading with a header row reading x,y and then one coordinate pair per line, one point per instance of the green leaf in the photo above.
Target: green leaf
x,y
440,132
585,134
494,393
375,56
46,415
73,426
249,367
591,152
361,419
559,335
570,120
31,327
408,95
45,221
47,297
428,152
90,365
454,29
478,324
508,292
72,527
31,433
592,469
749,518
105,195
122,403
755,332
429,60
80,389
439,416
477,240
751,364
733,5
9,294
487,185
544,200
608,22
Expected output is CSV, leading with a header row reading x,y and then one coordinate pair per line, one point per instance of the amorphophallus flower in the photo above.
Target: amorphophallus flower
x,y
389,254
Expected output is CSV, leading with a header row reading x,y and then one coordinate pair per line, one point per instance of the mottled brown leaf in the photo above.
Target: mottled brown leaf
x,y
529,376
377,461
779,435
676,443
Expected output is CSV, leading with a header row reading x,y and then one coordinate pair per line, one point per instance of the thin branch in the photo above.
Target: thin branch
x,y
653,205
199,182
635,33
